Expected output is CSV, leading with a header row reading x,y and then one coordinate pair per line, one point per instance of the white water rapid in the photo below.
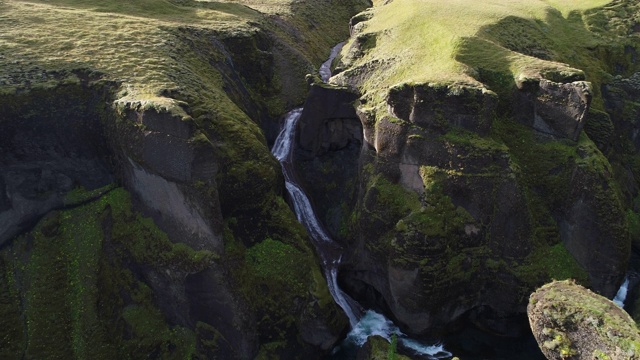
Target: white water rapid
x,y
363,324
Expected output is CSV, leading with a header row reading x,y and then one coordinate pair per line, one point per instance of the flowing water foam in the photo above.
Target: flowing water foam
x,y
621,296
363,323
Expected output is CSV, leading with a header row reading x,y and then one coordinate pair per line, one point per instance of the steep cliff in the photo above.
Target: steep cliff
x,y
490,162
141,213
466,153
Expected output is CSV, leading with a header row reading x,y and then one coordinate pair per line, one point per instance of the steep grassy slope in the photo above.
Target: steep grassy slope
x,y
68,280
423,41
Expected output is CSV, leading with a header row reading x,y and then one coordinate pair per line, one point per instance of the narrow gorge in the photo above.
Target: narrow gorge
x,y
446,161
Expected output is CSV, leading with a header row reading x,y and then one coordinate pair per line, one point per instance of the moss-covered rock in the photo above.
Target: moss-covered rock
x,y
73,276
378,348
477,182
571,322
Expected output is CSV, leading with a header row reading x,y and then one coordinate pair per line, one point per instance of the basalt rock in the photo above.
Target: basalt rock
x,y
475,191
436,107
329,141
43,160
623,111
447,219
159,160
423,227
328,121
559,109
589,220
199,248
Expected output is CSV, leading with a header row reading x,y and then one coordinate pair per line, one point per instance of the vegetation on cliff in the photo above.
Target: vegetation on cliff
x,y
473,112
180,99
71,289
469,195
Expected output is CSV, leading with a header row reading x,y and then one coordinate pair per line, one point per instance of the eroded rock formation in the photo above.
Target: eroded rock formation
x,y
472,193
571,322
153,225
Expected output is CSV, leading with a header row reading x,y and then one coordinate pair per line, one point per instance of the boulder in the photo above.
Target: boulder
x,y
571,322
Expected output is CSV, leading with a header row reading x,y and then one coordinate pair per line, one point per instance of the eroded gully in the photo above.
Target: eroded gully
x,y
364,323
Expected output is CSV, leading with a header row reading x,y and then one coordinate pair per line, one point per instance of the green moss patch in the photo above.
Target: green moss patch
x,y
76,294
570,321
272,260
552,262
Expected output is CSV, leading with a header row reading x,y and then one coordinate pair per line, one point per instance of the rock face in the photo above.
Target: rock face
x,y
441,208
423,215
437,107
471,193
43,161
330,138
328,121
159,159
155,223
571,322
559,109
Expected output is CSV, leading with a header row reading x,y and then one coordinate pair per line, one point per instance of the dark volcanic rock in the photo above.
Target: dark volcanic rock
x,y
448,222
44,157
159,161
329,141
554,108
592,223
439,106
328,121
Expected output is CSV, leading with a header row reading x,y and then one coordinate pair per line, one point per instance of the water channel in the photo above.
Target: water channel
x,y
364,323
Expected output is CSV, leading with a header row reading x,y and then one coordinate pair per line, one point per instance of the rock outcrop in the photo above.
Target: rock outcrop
x,y
423,214
571,322
330,139
558,109
42,161
436,107
474,191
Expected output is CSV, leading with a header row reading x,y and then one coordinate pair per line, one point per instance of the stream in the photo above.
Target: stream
x,y
364,323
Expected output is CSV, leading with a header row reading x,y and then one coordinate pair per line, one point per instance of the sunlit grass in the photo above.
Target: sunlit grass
x,y
141,43
126,40
427,40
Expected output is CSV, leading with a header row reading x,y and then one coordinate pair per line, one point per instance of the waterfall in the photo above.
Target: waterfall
x,y
363,323
325,68
326,247
621,296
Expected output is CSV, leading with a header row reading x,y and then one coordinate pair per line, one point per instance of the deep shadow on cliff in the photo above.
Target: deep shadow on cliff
x,y
145,218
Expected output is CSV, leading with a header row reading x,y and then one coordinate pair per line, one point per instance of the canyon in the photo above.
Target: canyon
x,y
456,163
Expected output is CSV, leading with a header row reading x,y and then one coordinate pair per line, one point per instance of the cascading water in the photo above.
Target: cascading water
x,y
326,247
363,323
621,296
325,68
